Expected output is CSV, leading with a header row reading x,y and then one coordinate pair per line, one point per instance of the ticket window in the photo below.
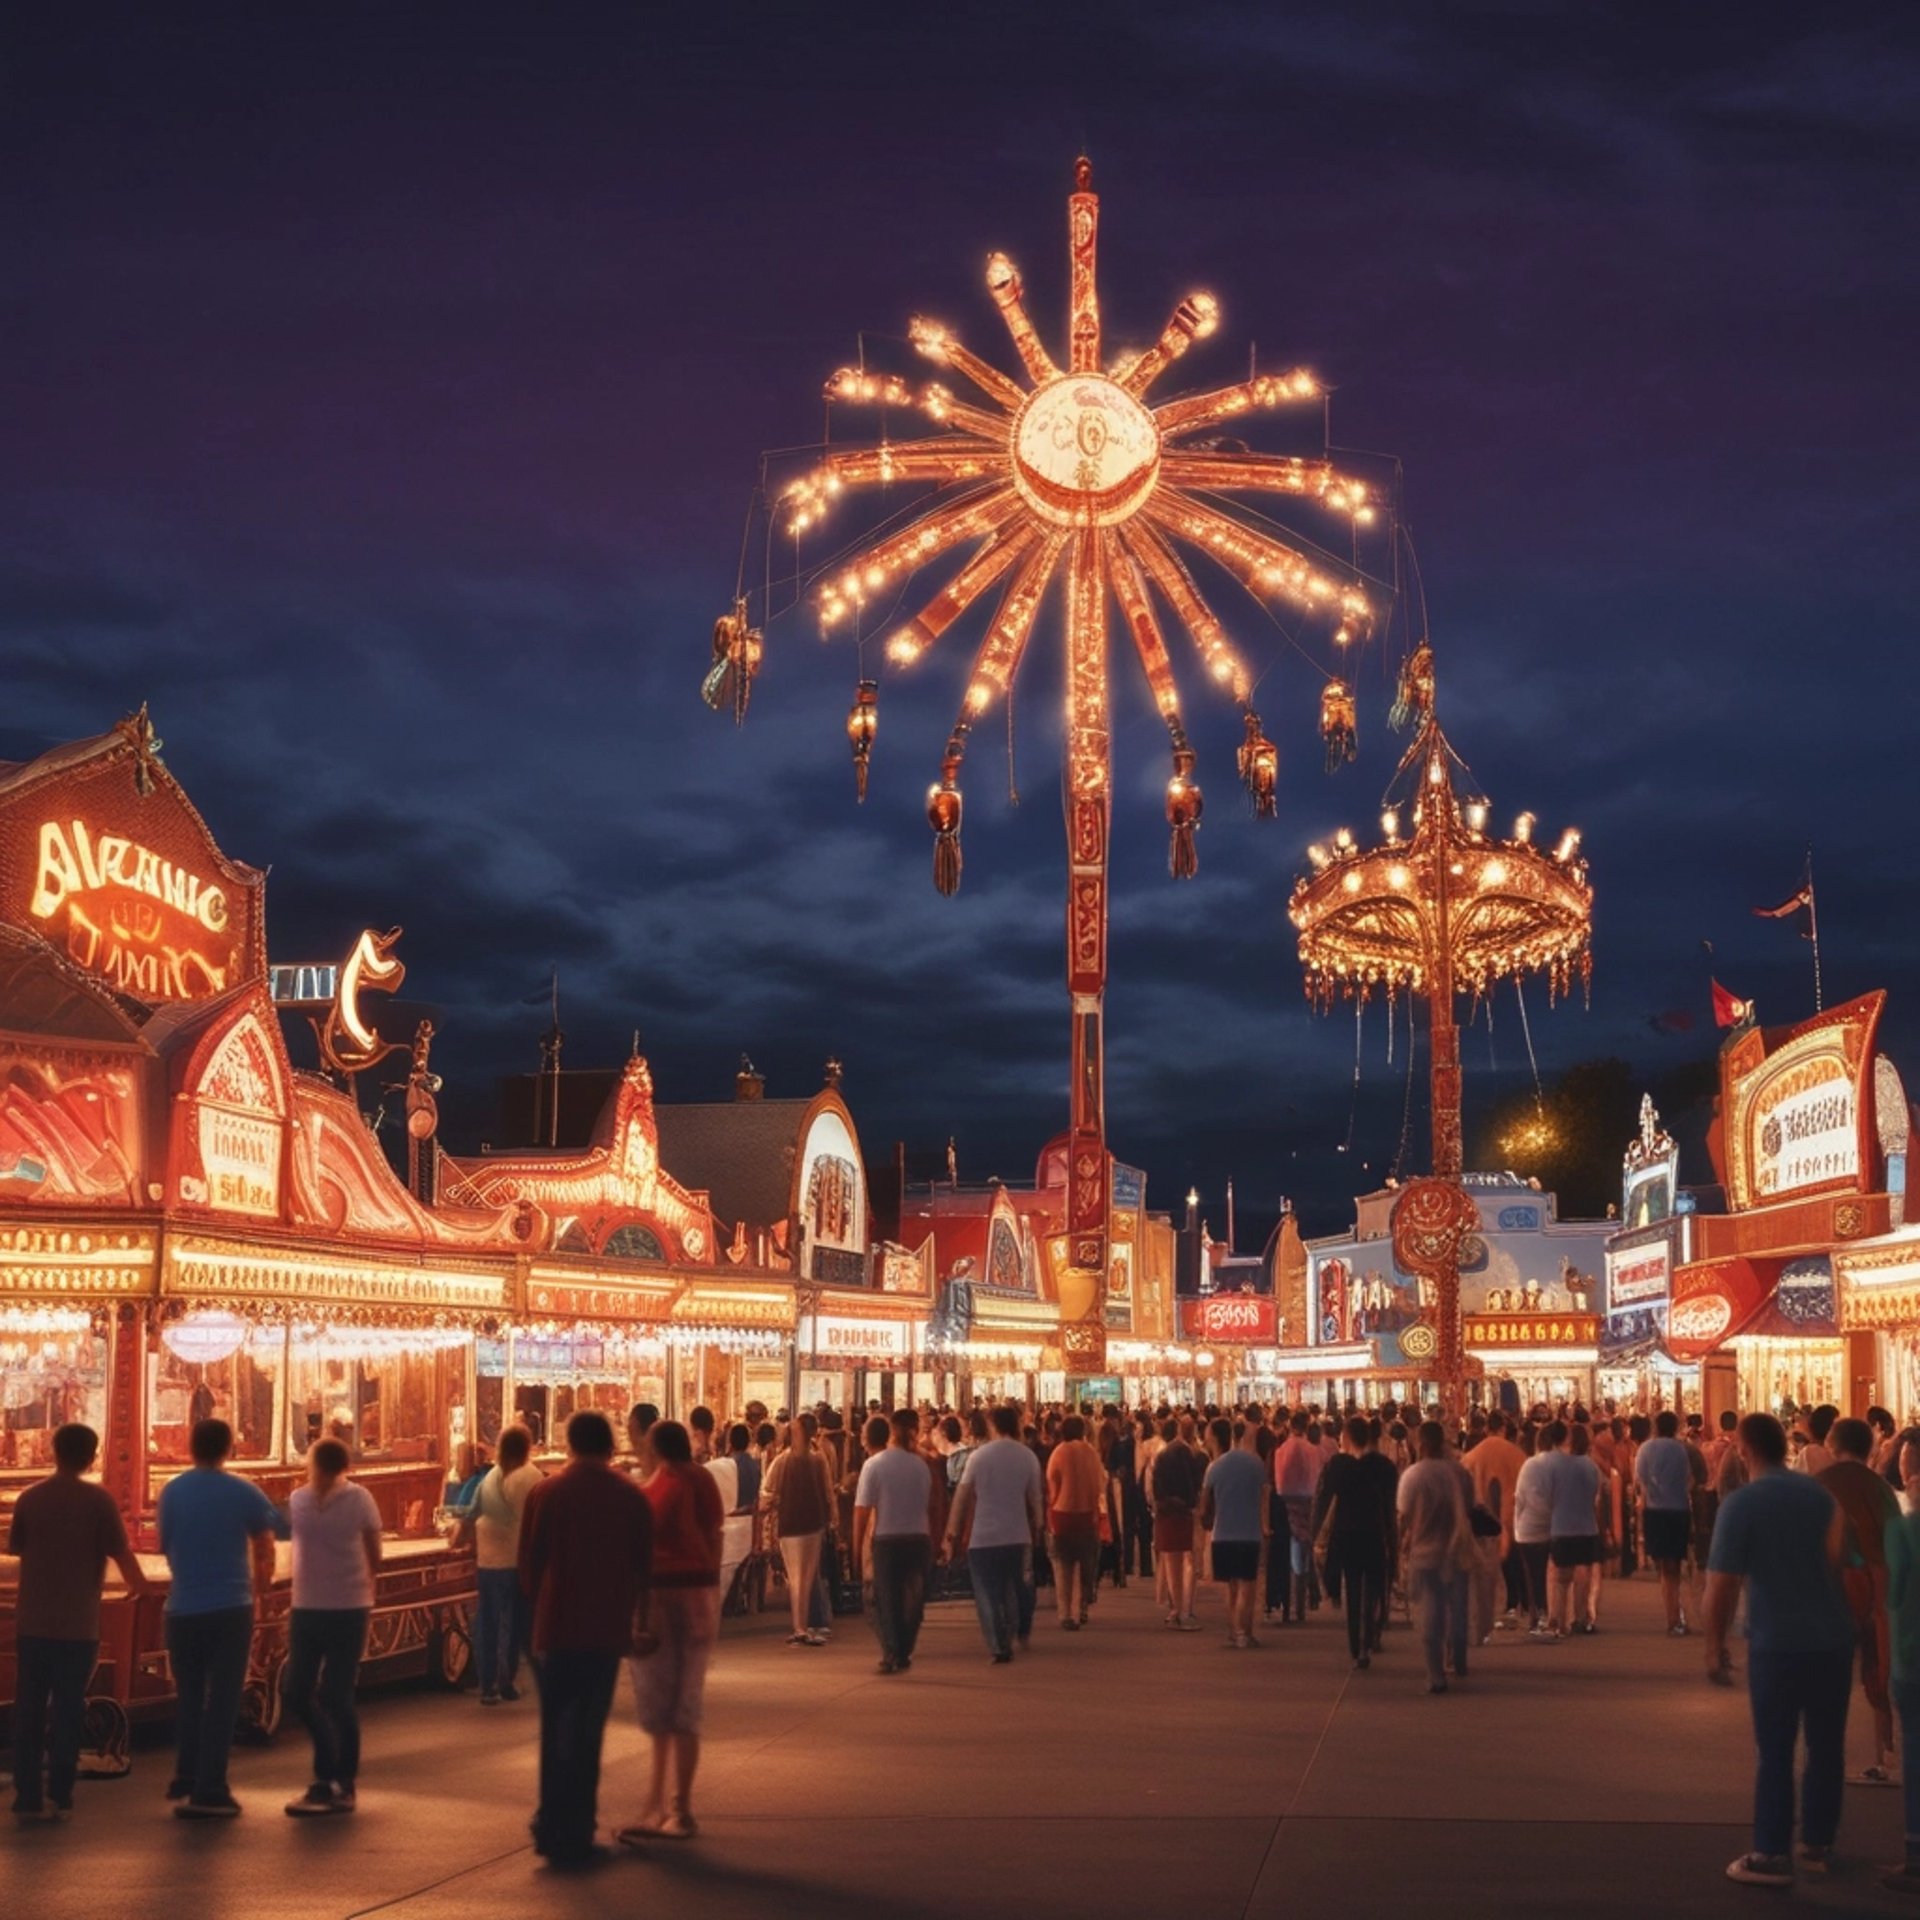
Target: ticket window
x,y
53,1369
216,1366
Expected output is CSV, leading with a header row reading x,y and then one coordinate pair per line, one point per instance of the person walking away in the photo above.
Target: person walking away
x,y
586,1554
1176,1494
1902,1544
799,1489
999,1508
65,1529
1868,1504
1494,1466
679,1622
1297,1467
499,1620
1533,1497
1817,1455
1577,1542
1663,1472
1437,1549
217,1531
1233,1504
1781,1537
895,1514
336,1559
1349,1513
642,1418
1076,1487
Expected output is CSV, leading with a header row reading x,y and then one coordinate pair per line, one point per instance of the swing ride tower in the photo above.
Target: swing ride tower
x,y
1440,907
1072,472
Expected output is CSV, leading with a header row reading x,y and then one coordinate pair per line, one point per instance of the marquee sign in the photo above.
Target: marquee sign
x,y
103,857
1799,1107
1236,1317
1639,1276
1531,1332
1714,1299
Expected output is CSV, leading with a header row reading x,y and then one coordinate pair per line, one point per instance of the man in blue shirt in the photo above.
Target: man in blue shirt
x,y
1782,1536
217,1531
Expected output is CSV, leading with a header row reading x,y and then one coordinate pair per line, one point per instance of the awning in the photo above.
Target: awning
x,y
1713,1300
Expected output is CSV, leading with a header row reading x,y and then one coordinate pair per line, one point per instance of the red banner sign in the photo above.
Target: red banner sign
x,y
1245,1318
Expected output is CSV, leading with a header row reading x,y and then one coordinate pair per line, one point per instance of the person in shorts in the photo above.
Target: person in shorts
x,y
679,1625
1577,1542
1233,1507
1663,1472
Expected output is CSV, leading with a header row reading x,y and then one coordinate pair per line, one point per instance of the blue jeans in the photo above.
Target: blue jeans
x,y
49,1717
1787,1690
497,1627
1002,1594
1906,1701
1440,1595
208,1653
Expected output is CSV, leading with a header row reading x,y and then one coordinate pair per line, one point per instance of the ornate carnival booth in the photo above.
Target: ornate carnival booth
x,y
1811,1135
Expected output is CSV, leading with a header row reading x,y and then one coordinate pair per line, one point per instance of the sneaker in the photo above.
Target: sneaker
x,y
1816,1859
1874,1776
489,1699
178,1789
1762,1870
1547,1636
814,1637
1187,1625
887,1666
221,1806
508,1691
344,1798
317,1800
1677,1632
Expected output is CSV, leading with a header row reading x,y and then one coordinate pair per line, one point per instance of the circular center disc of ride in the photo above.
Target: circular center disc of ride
x,y
1085,452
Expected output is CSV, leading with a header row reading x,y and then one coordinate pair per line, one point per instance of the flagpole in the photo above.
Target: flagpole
x,y
1813,934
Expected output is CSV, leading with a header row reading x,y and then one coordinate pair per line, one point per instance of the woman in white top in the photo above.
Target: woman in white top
x,y
336,1553
498,1627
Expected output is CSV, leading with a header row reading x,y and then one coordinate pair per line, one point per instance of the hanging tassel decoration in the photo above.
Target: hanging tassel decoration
x,y
1260,768
737,647
1184,807
1339,724
863,722
944,808
1414,699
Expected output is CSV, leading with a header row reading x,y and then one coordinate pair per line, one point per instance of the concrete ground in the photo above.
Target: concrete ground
x,y
1122,1771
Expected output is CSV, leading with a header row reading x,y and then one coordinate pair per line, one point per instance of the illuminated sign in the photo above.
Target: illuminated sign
x,y
1635,1278
132,915
1229,1316
349,1044
239,1113
1713,1300
1800,1108
861,1337
1530,1331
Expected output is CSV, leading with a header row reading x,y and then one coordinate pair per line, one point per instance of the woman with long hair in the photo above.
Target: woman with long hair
x,y
799,1490
499,1627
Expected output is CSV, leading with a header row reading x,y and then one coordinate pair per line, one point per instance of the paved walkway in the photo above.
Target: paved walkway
x,y
1125,1772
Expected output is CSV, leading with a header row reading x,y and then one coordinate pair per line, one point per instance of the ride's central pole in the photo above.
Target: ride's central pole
x,y
1089,807
1444,1096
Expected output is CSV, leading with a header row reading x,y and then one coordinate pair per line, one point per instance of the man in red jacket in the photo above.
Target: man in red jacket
x,y
586,1551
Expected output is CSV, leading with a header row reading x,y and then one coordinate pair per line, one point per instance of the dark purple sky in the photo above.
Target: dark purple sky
x,y
385,387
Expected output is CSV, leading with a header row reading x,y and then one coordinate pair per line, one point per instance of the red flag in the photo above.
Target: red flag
x,y
1801,902
1728,1010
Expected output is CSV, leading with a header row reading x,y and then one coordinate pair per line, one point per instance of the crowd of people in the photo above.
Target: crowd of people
x,y
624,1557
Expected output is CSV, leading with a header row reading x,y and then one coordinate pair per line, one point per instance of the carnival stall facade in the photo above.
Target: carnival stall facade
x,y
1811,1142
190,1226
1637,1369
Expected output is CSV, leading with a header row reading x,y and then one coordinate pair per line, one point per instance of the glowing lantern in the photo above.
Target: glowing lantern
x,y
863,722
1339,723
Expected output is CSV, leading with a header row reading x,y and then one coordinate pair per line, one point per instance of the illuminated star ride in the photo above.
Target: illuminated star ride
x,y
1070,473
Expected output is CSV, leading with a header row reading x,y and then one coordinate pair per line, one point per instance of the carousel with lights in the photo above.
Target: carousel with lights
x,y
1072,474
1440,906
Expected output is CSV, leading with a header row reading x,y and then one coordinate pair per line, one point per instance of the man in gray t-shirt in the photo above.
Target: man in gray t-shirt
x,y
1003,1497
1233,1503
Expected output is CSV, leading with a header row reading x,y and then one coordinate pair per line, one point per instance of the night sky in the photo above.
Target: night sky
x,y
386,386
